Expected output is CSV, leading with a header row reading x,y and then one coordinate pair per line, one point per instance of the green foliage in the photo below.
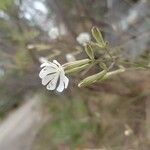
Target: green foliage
x,y
22,61
5,4
68,124
22,38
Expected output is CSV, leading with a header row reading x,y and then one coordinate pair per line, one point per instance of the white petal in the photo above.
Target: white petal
x,y
49,64
66,81
57,63
44,64
63,83
61,86
46,70
47,78
52,84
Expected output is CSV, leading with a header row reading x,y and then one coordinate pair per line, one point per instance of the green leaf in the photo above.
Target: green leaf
x,y
89,51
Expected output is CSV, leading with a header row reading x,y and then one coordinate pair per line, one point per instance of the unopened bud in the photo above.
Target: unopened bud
x,y
98,37
112,73
89,51
92,79
75,64
77,69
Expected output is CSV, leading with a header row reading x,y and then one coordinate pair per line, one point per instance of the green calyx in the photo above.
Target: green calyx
x,y
92,79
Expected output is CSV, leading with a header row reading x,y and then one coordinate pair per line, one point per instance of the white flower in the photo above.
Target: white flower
x,y
54,33
83,38
53,76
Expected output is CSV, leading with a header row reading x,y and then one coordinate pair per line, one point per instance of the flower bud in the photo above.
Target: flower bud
x,y
77,69
75,64
89,51
98,37
112,73
92,79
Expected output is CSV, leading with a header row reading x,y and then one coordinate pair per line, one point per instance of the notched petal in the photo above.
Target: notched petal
x,y
46,70
47,79
49,64
53,83
63,83
66,81
57,63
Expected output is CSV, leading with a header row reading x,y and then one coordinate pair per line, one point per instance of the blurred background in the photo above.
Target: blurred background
x,y
113,115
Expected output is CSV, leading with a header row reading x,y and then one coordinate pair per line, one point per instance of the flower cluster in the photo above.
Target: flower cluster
x,y
53,74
